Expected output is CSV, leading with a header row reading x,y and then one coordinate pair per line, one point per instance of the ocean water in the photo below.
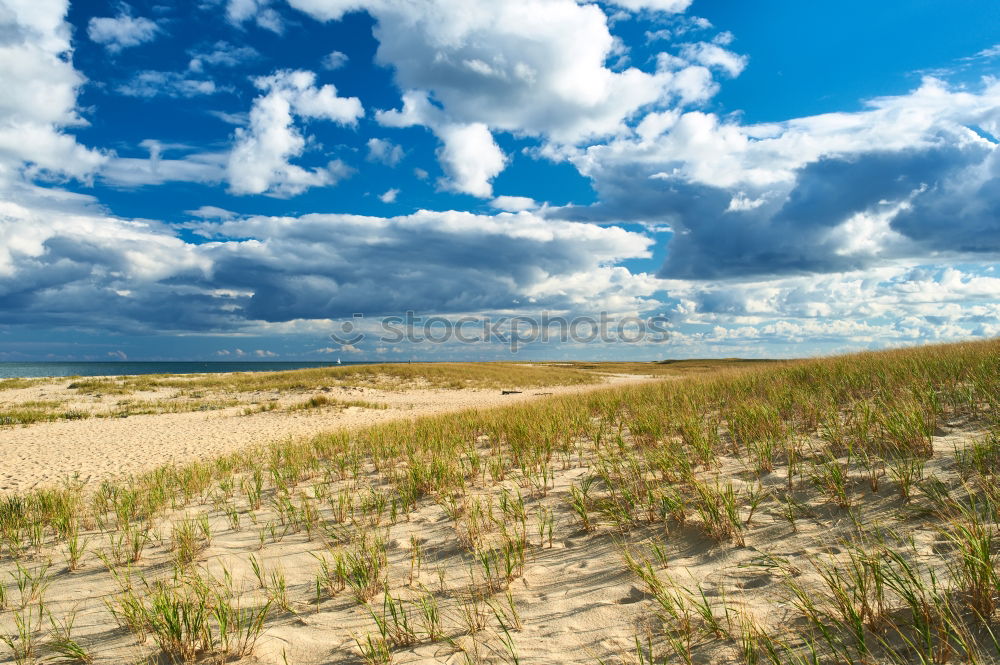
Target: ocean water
x,y
121,368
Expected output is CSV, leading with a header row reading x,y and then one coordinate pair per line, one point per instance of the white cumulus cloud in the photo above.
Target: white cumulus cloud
x,y
265,16
384,151
713,55
37,73
259,161
335,60
513,203
530,67
470,157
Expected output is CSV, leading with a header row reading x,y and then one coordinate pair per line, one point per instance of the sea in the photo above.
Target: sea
x,y
10,370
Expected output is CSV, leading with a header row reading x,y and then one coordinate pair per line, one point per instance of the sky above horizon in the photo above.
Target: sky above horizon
x,y
227,179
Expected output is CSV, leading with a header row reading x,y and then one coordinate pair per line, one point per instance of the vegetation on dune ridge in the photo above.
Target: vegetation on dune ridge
x,y
385,376
890,458
209,392
15,383
680,367
29,413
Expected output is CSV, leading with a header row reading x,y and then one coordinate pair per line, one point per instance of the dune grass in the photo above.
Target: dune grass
x,y
385,376
667,367
29,414
45,411
322,401
209,392
16,383
888,458
206,392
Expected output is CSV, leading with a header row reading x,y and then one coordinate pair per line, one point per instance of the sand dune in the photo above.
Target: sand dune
x,y
99,448
745,517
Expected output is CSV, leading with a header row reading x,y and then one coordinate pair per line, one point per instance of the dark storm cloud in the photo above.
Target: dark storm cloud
x,y
109,274
953,206
328,266
961,213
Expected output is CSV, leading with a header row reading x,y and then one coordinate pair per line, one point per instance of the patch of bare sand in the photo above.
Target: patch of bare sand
x,y
100,448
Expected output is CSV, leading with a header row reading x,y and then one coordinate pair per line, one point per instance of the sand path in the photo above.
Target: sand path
x,y
99,448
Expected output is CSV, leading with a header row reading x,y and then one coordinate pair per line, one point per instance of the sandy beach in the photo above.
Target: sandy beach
x,y
95,449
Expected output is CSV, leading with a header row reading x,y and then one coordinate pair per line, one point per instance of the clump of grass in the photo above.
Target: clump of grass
x,y
320,401
374,650
362,566
982,457
830,475
718,507
125,546
331,578
26,416
24,643
395,622
75,546
273,583
31,584
189,538
430,614
192,617
18,383
580,503
64,647
131,407
499,566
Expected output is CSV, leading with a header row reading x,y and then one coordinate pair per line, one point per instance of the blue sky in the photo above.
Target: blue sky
x,y
233,178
